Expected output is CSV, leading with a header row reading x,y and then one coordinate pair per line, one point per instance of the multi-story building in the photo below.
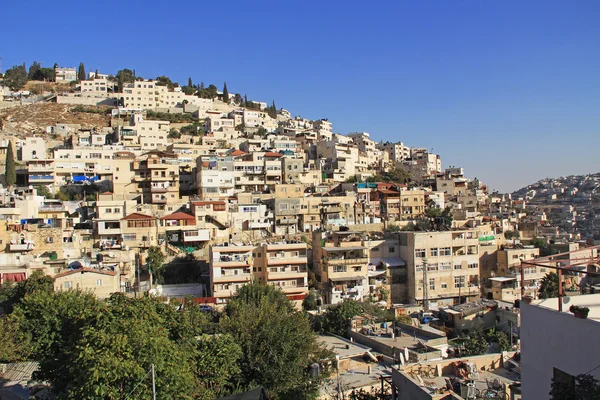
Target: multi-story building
x,y
96,87
341,265
284,265
506,277
157,177
396,151
446,262
65,75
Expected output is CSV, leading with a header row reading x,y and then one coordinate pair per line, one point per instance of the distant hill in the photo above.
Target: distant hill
x,y
587,182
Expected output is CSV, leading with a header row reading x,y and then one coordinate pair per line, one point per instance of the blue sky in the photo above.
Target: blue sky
x,y
508,89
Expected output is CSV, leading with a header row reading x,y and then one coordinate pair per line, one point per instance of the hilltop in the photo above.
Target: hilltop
x,y
35,118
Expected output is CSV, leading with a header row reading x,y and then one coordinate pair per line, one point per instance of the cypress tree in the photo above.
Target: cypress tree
x,y
190,83
10,173
273,112
245,101
81,72
225,94
96,74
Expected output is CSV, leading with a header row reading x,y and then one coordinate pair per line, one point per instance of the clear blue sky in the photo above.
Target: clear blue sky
x,y
508,89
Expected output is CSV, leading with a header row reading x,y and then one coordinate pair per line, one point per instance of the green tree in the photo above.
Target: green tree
x,y
585,387
174,134
212,92
16,78
476,343
81,72
225,93
261,131
217,365
273,111
155,260
337,317
124,76
34,69
548,286
539,242
166,81
239,100
96,74
10,171
310,301
277,342
190,83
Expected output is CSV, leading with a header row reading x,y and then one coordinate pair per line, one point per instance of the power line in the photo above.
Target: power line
x,y
139,383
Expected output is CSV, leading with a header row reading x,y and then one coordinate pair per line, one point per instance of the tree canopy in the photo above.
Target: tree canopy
x,y
16,77
277,342
225,93
88,348
549,286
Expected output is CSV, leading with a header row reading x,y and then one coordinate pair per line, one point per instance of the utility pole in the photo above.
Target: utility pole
x,y
153,384
425,286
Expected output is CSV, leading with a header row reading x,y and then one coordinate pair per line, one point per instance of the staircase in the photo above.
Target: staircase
x,y
173,251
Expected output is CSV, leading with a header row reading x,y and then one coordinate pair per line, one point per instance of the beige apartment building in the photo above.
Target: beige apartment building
x,y
157,177
506,277
446,262
101,283
283,265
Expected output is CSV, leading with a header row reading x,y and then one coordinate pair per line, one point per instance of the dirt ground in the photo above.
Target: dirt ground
x,y
35,118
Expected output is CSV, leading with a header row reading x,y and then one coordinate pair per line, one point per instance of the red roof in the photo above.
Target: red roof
x,y
137,216
207,203
238,153
82,270
271,154
386,191
179,215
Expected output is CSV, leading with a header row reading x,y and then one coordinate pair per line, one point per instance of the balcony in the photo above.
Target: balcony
x,y
287,260
330,210
288,274
109,228
259,225
347,261
293,289
159,199
159,189
52,208
41,168
41,178
21,247
244,277
232,261
287,221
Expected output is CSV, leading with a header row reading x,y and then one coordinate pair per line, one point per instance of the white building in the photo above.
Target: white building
x,y
557,345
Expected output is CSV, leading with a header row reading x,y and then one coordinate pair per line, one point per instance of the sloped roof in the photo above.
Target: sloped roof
x,y
238,153
271,154
137,216
178,216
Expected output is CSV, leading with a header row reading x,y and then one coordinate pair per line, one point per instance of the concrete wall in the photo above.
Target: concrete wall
x,y
552,339
87,101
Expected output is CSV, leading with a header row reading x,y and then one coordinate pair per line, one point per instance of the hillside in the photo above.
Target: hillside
x,y
35,118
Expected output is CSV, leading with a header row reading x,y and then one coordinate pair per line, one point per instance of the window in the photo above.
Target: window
x,y
457,266
444,285
445,251
67,285
357,269
98,282
432,284
432,267
109,210
339,268
473,265
445,266
433,251
392,249
419,268
419,252
459,282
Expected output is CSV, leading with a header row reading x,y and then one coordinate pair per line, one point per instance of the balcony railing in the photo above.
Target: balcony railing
x,y
347,261
41,178
21,247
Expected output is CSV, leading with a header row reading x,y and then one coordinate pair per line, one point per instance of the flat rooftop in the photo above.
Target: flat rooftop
x,y
591,301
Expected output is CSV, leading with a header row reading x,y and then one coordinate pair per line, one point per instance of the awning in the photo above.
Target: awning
x,y
347,278
503,278
12,277
389,261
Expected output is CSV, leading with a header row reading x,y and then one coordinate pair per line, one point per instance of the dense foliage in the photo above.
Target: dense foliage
x,y
16,77
548,286
89,348
10,171
585,387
